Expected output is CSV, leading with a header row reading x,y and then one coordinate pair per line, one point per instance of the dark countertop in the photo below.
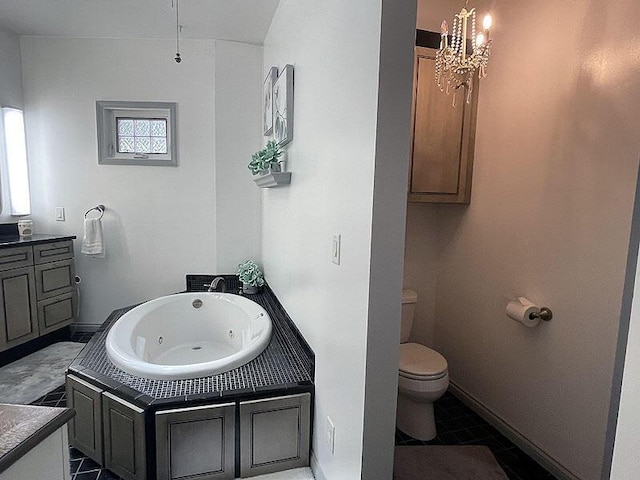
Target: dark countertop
x,y
22,427
17,241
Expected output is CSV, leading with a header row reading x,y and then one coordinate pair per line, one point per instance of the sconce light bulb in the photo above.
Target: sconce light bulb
x,y
487,21
479,39
444,28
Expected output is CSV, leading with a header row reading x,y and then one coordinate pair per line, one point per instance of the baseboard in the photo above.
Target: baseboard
x,y
522,442
84,328
315,468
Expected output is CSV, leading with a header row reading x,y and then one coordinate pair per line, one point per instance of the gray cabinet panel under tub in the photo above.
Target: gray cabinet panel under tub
x,y
18,317
196,442
274,434
55,278
124,438
52,252
85,429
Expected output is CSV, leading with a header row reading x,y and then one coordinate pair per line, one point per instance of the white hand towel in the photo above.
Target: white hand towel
x,y
92,241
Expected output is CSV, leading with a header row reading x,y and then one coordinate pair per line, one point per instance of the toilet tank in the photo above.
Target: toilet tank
x,y
409,300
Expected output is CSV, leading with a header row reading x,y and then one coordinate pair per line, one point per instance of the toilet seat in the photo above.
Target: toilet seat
x,y
418,362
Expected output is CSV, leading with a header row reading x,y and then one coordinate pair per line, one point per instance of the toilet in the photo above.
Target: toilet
x,y
423,378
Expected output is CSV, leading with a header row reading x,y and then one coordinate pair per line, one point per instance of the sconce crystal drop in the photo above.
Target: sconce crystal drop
x,y
457,63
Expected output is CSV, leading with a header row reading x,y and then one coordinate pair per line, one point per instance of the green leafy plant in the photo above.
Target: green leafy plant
x,y
263,159
250,274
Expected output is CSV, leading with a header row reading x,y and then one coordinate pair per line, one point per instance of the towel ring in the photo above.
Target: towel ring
x,y
99,208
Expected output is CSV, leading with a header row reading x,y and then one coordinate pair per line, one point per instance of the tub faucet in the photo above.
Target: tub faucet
x,y
212,287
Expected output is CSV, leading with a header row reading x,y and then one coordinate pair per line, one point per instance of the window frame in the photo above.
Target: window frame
x,y
107,113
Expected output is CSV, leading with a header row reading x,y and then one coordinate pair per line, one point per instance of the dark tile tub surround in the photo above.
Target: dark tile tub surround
x,y
286,364
22,427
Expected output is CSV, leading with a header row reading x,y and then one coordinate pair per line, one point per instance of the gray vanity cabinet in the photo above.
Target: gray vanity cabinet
x,y
196,442
37,291
18,315
85,429
274,434
124,438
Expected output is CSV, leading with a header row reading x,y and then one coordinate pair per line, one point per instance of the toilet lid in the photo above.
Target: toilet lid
x,y
418,360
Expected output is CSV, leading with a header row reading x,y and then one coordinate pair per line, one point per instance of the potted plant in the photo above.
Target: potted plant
x,y
251,276
266,159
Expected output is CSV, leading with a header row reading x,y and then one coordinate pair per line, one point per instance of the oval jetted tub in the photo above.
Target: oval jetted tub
x,y
188,335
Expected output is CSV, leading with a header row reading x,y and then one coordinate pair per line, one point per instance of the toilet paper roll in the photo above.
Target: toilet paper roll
x,y
521,309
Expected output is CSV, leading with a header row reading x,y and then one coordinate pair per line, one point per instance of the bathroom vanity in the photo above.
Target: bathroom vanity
x,y
251,420
37,287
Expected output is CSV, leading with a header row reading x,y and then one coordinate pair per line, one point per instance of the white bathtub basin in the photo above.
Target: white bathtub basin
x,y
188,335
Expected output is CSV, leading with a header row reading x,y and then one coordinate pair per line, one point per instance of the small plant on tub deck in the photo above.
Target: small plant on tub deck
x,y
250,274
265,158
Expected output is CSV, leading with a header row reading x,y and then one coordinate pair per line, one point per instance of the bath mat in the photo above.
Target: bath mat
x,y
446,462
35,375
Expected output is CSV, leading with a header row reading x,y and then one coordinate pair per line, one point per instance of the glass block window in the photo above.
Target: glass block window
x,y
137,133
142,135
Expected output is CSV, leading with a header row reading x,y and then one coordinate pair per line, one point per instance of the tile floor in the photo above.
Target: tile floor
x,y
457,424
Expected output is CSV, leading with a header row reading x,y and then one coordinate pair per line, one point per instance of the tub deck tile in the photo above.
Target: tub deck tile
x,y
287,361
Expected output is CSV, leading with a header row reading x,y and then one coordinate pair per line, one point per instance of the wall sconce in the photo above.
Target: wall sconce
x,y
17,168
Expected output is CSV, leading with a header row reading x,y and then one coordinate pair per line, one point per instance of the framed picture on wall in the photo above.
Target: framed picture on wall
x,y
283,106
267,100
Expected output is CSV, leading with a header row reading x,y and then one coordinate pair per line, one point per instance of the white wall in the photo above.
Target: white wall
x,y
10,96
160,221
11,71
238,134
421,268
625,418
334,47
554,180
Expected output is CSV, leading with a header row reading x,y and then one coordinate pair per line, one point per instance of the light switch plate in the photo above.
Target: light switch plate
x,y
335,249
59,214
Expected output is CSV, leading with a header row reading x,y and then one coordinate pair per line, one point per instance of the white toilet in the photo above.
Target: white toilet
x,y
423,378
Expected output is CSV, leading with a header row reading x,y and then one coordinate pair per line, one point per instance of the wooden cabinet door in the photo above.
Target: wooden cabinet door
x,y
85,429
196,442
15,257
18,317
443,137
57,312
52,252
287,419
124,438
55,278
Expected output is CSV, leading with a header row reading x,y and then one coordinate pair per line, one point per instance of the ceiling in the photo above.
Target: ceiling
x,y
237,20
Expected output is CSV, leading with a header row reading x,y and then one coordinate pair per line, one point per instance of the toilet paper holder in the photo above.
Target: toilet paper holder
x,y
544,314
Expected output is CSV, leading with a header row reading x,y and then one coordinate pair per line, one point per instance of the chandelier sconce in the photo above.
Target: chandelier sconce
x,y
457,63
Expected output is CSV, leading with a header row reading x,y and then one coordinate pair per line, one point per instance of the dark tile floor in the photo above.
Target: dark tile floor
x,y
457,424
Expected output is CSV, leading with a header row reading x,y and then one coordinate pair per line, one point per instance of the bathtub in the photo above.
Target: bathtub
x,y
188,335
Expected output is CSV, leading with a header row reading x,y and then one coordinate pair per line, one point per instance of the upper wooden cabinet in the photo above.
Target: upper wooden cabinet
x,y
443,137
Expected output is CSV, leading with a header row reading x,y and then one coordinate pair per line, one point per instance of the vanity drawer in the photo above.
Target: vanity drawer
x,y
52,252
55,278
15,257
56,312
